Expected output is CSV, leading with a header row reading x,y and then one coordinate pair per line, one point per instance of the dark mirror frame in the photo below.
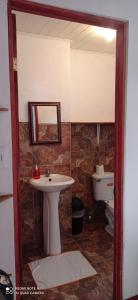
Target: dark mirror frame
x,y
31,127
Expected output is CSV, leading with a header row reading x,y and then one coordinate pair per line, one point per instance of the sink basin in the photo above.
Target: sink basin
x,y
51,187
53,183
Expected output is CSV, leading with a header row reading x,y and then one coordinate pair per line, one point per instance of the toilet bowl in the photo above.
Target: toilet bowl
x,y
103,188
109,212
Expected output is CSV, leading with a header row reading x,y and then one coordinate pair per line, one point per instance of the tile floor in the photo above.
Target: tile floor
x,y
97,246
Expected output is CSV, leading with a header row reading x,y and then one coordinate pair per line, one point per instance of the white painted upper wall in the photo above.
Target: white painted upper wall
x,y
128,10
43,72
48,70
92,87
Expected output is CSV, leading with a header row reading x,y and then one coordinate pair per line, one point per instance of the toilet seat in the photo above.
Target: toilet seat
x,y
109,212
110,206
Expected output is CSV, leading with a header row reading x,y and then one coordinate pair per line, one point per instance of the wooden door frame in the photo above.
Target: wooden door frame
x,y
121,53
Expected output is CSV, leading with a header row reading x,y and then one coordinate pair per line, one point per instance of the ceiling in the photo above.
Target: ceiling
x,y
82,36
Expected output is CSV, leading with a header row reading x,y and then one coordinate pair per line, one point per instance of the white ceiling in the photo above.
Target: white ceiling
x,y
81,36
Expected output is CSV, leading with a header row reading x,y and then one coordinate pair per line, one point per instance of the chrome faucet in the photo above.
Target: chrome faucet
x,y
47,173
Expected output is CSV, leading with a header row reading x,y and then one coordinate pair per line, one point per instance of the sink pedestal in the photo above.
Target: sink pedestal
x,y
51,228
51,187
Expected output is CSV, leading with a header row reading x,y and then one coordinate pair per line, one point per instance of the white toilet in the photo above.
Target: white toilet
x,y
103,187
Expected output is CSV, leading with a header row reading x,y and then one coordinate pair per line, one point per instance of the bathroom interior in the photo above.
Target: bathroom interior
x,y
69,67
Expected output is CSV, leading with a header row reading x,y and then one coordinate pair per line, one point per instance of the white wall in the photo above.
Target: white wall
x,y
43,72
126,10
83,81
92,86
5,120
7,257
7,238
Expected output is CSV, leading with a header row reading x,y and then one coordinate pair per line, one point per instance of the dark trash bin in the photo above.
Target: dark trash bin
x,y
77,215
6,287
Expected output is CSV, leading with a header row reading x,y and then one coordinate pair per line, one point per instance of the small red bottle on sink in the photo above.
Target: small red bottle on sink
x,y
36,172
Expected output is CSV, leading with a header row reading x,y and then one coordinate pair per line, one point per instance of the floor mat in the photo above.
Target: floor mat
x,y
61,269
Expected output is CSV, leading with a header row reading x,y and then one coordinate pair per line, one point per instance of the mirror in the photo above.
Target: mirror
x,y
45,122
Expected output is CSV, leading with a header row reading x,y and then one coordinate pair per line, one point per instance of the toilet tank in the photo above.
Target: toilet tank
x,y
103,186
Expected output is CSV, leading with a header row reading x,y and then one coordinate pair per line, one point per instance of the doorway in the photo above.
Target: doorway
x,y
121,28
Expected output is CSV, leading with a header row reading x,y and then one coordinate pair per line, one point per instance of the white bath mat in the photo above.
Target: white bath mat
x,y
61,269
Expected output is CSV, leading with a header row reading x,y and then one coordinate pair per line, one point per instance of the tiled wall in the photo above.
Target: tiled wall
x,y
86,154
56,158
77,156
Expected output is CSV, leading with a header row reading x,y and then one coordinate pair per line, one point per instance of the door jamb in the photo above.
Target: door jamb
x,y
121,54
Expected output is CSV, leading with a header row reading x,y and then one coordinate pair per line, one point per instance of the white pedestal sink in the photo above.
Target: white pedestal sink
x,y
51,186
